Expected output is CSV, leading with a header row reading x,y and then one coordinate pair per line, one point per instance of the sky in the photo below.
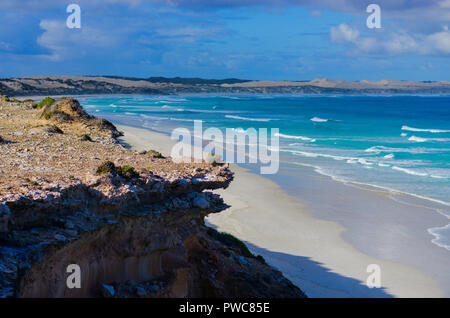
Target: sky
x,y
247,39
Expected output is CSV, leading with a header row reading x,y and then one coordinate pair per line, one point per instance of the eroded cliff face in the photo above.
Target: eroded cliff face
x,y
134,232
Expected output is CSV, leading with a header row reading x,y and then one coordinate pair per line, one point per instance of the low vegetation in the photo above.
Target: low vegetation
x,y
155,154
45,102
56,114
232,240
125,171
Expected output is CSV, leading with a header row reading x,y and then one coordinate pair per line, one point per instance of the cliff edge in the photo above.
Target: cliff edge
x,y
132,222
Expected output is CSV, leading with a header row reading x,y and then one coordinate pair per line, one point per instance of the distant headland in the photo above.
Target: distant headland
x,y
80,85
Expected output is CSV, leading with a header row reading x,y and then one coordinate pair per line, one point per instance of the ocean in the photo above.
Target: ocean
x,y
396,143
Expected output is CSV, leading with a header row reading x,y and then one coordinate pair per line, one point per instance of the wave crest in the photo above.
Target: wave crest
x,y
425,130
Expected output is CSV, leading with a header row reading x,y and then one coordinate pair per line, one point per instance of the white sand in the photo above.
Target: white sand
x,y
310,252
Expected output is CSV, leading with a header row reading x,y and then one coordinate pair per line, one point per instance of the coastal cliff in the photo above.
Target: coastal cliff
x,y
133,222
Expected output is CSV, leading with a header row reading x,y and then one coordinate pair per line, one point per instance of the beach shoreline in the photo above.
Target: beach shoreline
x,y
311,250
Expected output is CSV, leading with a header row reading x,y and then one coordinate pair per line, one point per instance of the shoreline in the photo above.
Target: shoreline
x,y
310,250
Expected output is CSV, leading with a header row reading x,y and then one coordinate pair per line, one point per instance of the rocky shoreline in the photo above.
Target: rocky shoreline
x,y
132,221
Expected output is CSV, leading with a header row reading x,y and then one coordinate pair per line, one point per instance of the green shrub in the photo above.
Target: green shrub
x,y
105,167
127,172
45,102
237,242
124,171
156,154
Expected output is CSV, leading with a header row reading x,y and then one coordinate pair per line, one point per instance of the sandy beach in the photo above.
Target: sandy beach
x,y
294,236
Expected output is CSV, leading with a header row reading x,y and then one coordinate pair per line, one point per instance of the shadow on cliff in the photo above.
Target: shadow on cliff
x,y
316,280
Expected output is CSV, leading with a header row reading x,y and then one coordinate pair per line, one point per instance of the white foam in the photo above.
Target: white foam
x,y
390,190
379,149
411,172
417,139
420,139
350,160
182,119
249,119
441,236
374,149
296,137
319,120
425,130
364,162
389,156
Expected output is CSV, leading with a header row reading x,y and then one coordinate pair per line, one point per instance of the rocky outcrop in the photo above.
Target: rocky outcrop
x,y
68,109
143,237
133,223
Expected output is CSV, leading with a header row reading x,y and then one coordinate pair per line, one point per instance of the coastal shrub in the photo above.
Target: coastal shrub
x,y
155,154
232,240
45,102
127,172
106,167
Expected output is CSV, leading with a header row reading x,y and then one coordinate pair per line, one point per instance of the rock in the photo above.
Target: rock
x,y
69,225
4,217
140,291
54,130
60,237
108,291
201,203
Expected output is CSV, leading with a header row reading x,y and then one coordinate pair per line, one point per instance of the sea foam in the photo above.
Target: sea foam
x,y
425,130
296,137
319,120
249,119
417,139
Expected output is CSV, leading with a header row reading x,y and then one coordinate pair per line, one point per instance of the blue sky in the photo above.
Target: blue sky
x,y
250,39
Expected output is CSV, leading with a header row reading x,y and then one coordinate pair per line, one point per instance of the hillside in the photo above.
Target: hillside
x,y
78,85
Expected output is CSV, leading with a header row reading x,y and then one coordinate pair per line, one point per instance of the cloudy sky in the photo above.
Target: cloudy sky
x,y
251,39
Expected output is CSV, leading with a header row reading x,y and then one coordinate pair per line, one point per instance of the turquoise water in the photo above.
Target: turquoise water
x,y
400,143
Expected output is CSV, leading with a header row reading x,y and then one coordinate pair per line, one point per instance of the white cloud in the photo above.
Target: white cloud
x,y
343,33
441,41
66,43
394,43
